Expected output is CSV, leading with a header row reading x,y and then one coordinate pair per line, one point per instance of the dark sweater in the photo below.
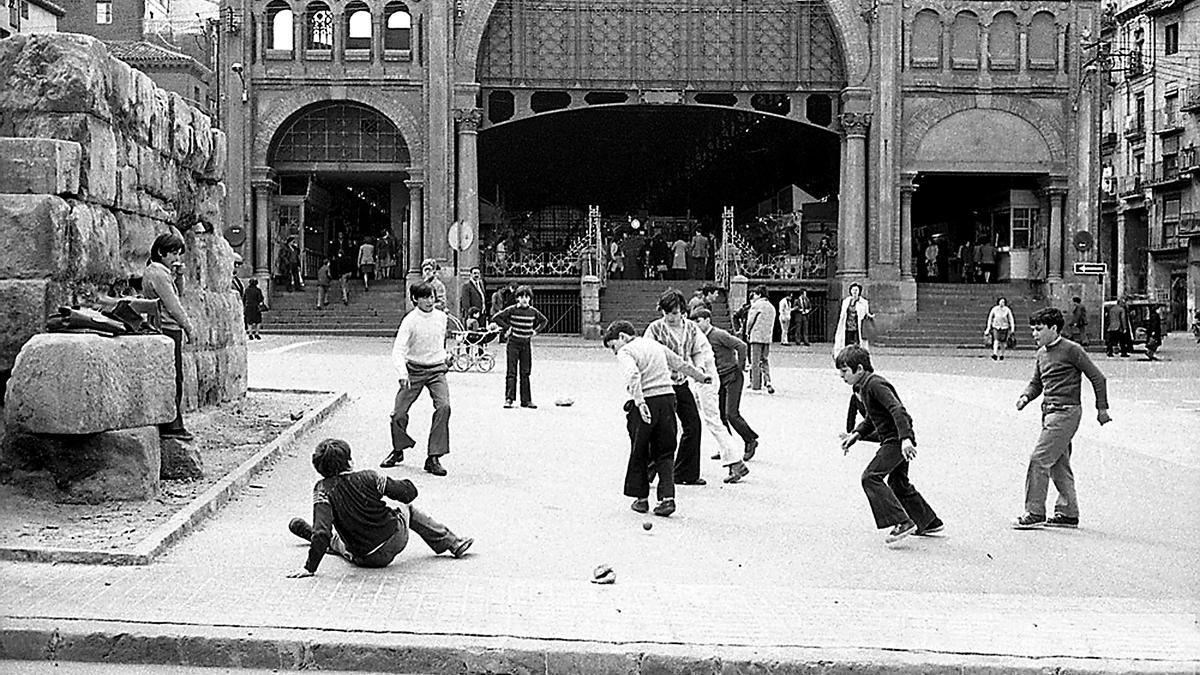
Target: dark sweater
x,y
353,503
1056,373
728,351
521,322
884,418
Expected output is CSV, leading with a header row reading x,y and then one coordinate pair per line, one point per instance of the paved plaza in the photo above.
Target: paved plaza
x,y
786,565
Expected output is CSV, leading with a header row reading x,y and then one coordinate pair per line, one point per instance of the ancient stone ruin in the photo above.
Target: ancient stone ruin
x,y
95,162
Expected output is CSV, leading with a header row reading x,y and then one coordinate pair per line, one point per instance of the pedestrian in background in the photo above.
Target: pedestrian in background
x,y
253,304
344,268
1057,373
698,250
985,260
159,281
352,520
649,370
854,313
324,272
522,321
1154,332
760,326
1077,323
785,320
1000,326
419,355
429,271
472,295
679,258
896,503
1116,329
802,310
366,263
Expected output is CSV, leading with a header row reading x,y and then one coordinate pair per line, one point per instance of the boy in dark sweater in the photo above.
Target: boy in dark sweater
x,y
730,355
896,504
351,519
522,321
1056,376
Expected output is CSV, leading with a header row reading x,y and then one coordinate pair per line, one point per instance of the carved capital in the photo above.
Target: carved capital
x,y
468,118
908,183
855,123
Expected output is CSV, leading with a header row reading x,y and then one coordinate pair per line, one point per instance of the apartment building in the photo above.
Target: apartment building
x,y
30,16
1150,152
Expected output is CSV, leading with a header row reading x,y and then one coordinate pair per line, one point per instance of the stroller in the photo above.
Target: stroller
x,y
470,349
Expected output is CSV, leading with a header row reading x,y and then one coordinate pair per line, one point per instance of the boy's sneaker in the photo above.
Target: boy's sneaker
x,y
770,389
1062,521
665,508
641,505
751,448
460,547
1029,522
510,403
737,472
301,528
899,532
530,405
394,457
933,528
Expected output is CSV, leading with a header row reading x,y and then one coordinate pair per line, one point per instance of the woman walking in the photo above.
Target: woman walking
x,y
855,310
1000,325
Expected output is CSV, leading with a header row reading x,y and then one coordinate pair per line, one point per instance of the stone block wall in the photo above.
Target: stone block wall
x,y
95,162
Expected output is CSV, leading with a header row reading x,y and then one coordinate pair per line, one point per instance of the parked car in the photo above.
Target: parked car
x,y
1138,310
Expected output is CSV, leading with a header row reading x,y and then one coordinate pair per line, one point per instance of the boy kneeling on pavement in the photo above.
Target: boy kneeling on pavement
x,y
351,519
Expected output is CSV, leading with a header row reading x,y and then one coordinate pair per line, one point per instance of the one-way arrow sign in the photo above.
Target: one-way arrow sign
x,y
1091,268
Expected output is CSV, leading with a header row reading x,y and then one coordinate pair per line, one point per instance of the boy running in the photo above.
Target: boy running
x,y
895,504
351,519
1056,374
729,354
522,321
647,368
419,355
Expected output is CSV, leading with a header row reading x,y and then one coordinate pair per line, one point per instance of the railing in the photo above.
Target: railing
x,y
562,310
1169,121
805,266
1135,127
1189,158
1191,99
532,264
1129,185
1135,65
1189,224
1165,172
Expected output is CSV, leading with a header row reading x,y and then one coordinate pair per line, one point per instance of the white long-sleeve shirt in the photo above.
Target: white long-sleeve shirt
x,y
1001,317
420,340
646,368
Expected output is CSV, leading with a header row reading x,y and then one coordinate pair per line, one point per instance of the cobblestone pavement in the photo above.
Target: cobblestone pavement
x,y
790,558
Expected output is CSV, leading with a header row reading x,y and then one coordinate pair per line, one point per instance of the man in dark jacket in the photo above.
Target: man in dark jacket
x,y
472,296
1116,329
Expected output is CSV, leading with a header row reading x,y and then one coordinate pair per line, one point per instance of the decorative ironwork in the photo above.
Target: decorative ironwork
x,y
320,27
768,266
595,260
533,264
724,247
765,45
340,132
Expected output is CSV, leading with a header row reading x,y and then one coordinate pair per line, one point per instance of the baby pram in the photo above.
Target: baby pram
x,y
470,349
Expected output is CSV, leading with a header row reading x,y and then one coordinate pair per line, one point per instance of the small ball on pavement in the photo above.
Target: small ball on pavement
x,y
647,525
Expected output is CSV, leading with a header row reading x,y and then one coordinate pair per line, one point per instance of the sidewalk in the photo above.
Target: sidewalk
x,y
784,573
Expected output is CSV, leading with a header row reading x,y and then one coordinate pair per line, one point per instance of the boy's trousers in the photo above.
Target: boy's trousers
x,y
897,500
730,399
760,365
436,535
710,414
518,364
687,459
439,430
651,445
1051,460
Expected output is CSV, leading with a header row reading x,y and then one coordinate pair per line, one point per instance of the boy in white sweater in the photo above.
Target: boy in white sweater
x,y
419,355
646,368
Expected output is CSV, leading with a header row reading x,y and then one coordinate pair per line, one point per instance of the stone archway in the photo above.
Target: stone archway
x,y
1025,119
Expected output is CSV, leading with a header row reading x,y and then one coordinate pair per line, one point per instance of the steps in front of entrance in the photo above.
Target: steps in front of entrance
x,y
637,301
374,314
954,315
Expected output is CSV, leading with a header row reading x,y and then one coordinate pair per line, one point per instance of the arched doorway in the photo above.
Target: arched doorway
x,y
658,112
341,167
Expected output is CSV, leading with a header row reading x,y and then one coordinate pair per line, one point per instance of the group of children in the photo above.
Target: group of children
x,y
655,370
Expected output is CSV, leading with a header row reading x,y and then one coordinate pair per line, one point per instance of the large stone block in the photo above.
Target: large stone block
x,y
183,135
160,120
201,141
39,166
98,181
84,384
137,233
36,231
56,72
95,243
215,169
26,304
121,465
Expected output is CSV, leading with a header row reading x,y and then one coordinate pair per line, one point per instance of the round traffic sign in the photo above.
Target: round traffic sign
x,y
461,236
1083,241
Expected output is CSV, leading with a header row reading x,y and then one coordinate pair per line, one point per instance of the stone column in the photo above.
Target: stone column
x,y
907,187
739,293
416,222
468,182
1118,266
1054,245
589,299
852,197
439,148
264,185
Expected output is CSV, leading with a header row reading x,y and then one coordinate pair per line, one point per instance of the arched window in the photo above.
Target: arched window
x,y
319,26
338,131
927,39
964,41
398,34
279,20
358,26
1002,41
1043,41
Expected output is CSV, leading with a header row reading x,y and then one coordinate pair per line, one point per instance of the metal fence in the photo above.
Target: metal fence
x,y
561,306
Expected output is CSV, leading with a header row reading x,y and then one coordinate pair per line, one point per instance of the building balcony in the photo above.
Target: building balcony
x,y
1166,174
1191,99
1135,128
1189,159
1129,187
1189,224
1108,139
1169,122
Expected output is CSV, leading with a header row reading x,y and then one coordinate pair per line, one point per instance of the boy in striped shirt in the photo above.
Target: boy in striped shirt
x,y
522,321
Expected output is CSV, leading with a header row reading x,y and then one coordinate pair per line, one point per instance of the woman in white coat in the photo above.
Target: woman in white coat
x,y
855,309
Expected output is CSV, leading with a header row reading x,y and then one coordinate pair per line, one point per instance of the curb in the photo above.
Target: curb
x,y
200,508
297,649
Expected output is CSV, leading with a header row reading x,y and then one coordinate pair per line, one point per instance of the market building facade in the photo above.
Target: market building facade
x,y
558,124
